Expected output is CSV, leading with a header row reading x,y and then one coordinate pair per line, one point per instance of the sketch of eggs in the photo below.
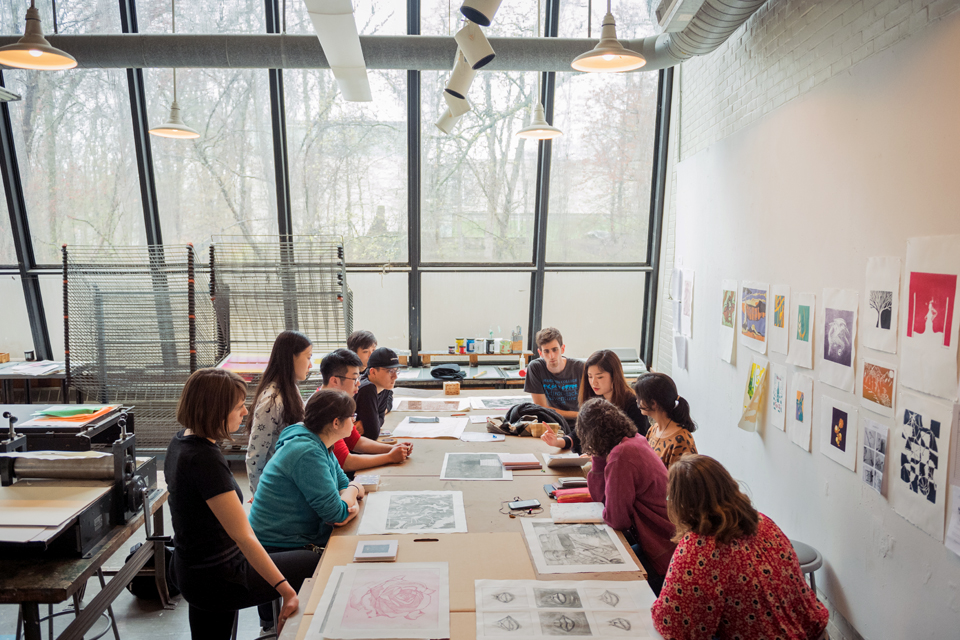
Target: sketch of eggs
x,y
610,598
565,624
620,623
505,596
508,624
558,597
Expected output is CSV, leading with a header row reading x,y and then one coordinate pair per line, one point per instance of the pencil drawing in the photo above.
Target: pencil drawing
x,y
576,544
567,623
557,598
420,511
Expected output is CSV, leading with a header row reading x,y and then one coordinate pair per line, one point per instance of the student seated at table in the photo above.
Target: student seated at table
x,y
670,435
553,380
362,343
630,481
602,377
303,492
734,573
218,564
277,402
341,372
375,396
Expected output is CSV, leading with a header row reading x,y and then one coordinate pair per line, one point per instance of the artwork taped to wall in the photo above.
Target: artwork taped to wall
x,y
686,305
921,442
931,320
838,432
780,319
753,315
838,345
801,332
575,548
882,306
532,608
873,457
777,396
395,512
473,466
403,600
878,386
800,410
728,320
753,394
680,352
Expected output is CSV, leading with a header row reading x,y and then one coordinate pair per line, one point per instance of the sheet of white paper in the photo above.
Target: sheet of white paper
x,y
431,404
728,319
780,324
918,482
838,431
575,548
498,402
800,410
777,396
395,512
686,308
482,419
952,539
873,456
931,327
680,352
753,315
882,304
838,347
676,283
403,600
533,609
321,617
445,428
878,386
473,436
409,374
473,466
589,512
802,316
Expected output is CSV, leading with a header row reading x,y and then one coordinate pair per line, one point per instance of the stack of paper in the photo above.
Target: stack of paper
x,y
555,460
41,368
520,461
579,494
70,415
376,551
444,428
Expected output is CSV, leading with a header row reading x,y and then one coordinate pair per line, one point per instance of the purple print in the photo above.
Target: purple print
x,y
838,336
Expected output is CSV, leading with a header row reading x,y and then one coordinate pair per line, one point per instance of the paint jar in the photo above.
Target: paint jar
x,y
491,345
471,345
505,345
452,349
461,345
481,345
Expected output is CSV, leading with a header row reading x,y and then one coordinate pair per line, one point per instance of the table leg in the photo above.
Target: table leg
x,y
31,620
26,388
113,618
474,360
7,392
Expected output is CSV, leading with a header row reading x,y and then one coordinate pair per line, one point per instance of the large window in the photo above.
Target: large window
x,y
15,337
380,306
380,17
222,16
89,16
8,253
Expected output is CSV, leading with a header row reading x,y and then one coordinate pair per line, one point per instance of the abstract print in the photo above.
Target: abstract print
x,y
920,457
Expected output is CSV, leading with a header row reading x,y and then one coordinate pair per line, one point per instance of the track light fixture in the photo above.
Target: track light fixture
x,y
447,121
609,56
480,11
32,51
174,126
457,106
461,77
474,45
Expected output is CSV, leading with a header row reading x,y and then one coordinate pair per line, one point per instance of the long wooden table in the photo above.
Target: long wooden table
x,y
494,548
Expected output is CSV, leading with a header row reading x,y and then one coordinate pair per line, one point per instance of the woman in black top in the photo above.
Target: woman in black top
x,y
602,378
218,564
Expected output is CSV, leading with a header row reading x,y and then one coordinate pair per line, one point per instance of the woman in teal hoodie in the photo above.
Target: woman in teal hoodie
x,y
303,493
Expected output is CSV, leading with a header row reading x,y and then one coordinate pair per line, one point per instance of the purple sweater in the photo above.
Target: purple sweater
x,y
631,482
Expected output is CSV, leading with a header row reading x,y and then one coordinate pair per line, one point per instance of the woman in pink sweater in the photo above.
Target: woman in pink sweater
x,y
631,481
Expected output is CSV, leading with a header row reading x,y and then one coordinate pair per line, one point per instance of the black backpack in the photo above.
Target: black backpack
x,y
448,371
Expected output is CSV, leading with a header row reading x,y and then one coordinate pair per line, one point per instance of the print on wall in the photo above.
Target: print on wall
x,y
729,307
874,454
883,304
753,315
800,410
878,386
780,327
801,335
686,305
920,446
798,413
753,395
838,432
777,403
728,314
839,323
929,310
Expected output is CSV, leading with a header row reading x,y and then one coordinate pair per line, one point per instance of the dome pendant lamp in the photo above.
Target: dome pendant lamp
x,y
539,128
609,56
174,126
33,51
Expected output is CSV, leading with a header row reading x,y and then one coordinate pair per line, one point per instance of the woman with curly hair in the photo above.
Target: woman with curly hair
x,y
734,573
671,434
631,482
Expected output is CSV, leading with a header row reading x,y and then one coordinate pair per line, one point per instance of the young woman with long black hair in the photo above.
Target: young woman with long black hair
x,y
670,435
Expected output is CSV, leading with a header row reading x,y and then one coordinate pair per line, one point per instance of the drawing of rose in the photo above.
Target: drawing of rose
x,y
397,597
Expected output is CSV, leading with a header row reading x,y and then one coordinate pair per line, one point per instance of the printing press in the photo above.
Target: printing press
x,y
66,482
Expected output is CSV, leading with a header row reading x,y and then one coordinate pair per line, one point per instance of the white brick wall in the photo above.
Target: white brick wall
x,y
787,48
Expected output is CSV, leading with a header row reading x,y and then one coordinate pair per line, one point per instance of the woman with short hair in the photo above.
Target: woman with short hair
x,y
631,482
734,573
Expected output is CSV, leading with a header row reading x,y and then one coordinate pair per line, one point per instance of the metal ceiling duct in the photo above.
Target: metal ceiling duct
x,y
337,32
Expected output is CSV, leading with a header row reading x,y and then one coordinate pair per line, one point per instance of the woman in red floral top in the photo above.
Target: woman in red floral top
x,y
734,574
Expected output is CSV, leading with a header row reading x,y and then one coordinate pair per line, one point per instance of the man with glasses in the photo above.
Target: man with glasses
x,y
341,371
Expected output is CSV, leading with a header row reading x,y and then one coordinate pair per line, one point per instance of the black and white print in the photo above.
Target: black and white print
x,y
413,512
474,466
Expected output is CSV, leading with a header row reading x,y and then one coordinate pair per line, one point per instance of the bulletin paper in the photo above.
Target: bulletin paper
x,y
801,331
728,319
780,325
838,344
800,410
838,432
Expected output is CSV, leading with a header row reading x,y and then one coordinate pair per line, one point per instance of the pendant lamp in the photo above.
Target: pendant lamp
x,y
461,78
480,11
474,45
174,126
609,56
32,51
539,128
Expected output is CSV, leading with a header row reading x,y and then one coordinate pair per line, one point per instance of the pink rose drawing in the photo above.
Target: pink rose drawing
x,y
397,597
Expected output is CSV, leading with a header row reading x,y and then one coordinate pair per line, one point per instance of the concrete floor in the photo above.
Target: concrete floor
x,y
137,618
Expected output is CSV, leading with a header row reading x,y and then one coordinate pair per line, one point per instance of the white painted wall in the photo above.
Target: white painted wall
x,y
803,196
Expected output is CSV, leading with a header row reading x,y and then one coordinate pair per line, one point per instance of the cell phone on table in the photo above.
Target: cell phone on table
x,y
524,504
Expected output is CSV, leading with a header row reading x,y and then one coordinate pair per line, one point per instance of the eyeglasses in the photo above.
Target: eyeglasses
x,y
347,378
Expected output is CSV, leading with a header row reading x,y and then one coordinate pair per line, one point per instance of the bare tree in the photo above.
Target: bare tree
x,y
881,301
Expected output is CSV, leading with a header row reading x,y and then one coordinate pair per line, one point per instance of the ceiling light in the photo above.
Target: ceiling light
x,y
457,106
609,56
461,78
480,11
539,128
447,121
174,126
474,45
32,51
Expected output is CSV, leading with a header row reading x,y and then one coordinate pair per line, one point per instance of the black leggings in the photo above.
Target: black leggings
x,y
216,593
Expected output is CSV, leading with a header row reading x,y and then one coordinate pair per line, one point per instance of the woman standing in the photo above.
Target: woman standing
x,y
670,435
734,574
218,564
630,481
602,378
277,402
